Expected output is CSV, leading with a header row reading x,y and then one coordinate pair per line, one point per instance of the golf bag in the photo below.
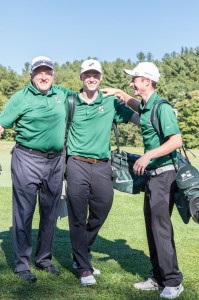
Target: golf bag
x,y
187,179
187,196
124,179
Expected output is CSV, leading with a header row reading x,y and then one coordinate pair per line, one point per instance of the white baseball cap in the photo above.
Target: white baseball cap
x,y
91,64
41,61
145,69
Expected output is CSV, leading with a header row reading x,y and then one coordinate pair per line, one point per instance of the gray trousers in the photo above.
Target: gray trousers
x,y
158,205
34,176
90,197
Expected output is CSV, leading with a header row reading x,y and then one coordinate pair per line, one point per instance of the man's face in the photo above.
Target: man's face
x,y
91,80
42,78
139,85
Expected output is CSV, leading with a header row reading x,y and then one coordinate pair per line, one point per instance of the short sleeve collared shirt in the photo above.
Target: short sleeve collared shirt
x,y
39,119
89,134
168,125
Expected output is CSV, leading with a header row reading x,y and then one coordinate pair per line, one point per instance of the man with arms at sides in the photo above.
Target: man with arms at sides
x,y
159,192
89,173
39,112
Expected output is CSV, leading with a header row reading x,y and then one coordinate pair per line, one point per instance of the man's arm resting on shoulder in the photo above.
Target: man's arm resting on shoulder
x,y
174,142
132,102
1,130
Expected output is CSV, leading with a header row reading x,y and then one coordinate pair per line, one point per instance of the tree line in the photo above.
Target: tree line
x,y
179,83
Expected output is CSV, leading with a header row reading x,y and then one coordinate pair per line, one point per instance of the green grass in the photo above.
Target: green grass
x,y
120,252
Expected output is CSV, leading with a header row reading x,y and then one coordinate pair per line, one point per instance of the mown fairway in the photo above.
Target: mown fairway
x,y
120,252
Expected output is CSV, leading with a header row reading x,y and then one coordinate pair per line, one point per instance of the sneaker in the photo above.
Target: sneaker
x,y
95,271
148,285
172,292
87,278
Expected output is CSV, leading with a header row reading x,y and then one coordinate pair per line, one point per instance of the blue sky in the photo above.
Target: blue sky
x,y
67,30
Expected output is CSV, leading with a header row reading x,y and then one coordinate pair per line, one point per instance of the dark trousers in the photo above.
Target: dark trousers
x,y
90,197
158,205
34,176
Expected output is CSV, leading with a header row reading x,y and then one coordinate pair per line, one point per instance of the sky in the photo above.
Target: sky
x,y
68,30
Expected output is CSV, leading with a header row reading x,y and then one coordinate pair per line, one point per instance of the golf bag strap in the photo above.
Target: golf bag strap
x,y
154,115
116,133
156,125
71,110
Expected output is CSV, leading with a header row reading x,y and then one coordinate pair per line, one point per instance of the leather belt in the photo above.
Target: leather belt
x,y
90,160
160,170
49,155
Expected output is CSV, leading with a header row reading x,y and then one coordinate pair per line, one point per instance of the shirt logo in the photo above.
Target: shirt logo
x,y
101,109
91,64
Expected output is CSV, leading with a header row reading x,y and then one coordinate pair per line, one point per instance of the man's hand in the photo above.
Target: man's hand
x,y
141,164
1,130
130,101
113,92
174,141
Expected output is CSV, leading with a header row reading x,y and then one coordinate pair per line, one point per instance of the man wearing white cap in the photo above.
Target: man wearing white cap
x,y
39,112
89,173
160,153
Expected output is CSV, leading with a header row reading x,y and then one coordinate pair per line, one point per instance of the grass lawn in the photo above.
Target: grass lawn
x,y
120,252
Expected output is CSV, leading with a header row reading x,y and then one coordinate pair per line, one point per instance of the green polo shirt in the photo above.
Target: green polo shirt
x,y
168,124
89,134
39,119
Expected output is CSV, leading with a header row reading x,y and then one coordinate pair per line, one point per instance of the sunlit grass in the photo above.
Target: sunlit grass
x,y
120,252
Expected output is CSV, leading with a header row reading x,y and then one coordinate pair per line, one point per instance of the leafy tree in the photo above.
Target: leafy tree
x,y
188,115
9,81
141,56
178,83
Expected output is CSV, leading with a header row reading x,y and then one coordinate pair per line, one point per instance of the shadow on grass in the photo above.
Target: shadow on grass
x,y
131,260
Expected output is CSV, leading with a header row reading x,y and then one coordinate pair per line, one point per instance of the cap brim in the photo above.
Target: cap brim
x,y
85,70
42,63
129,72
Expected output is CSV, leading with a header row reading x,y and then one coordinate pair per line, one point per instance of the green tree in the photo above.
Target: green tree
x,y
188,116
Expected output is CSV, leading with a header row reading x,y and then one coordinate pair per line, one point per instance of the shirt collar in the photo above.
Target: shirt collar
x,y
154,97
98,100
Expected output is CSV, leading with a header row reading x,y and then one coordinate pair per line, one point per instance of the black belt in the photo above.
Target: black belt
x,y
90,160
49,155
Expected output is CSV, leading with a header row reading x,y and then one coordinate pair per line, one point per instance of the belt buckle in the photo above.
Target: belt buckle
x,y
50,155
94,160
159,171
154,172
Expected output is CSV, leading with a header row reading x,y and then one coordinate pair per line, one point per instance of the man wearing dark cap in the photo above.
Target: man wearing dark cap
x,y
39,113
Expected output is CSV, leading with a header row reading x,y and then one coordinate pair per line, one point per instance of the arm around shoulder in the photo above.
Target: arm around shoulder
x,y
132,102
